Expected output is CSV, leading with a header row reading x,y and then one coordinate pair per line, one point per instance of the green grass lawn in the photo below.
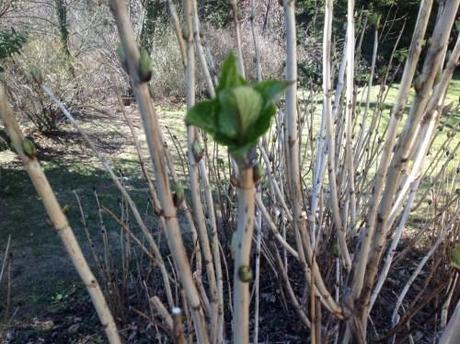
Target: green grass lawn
x,y
448,122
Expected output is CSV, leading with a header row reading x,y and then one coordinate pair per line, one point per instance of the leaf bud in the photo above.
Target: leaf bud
x,y
245,274
257,173
178,195
197,151
29,148
145,66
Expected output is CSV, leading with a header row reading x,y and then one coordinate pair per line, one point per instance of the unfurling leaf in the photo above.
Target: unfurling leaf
x,y
262,124
240,113
228,123
336,250
272,90
203,115
248,103
240,108
229,75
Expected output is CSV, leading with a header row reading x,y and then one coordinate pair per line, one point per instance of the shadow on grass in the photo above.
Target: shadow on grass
x,y
41,267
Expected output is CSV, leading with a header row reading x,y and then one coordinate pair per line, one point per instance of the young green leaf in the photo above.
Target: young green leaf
x,y
228,123
224,140
229,76
271,90
66,209
239,114
262,124
249,104
203,115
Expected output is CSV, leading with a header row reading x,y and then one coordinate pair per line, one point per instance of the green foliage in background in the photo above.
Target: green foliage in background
x,y
11,43
215,12
155,22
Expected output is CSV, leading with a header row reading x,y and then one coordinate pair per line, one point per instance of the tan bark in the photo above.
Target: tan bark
x,y
156,149
243,241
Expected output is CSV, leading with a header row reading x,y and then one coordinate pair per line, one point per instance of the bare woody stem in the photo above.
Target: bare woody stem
x,y
452,331
59,221
348,127
331,136
156,150
303,242
177,30
246,207
192,139
291,122
137,216
400,159
409,71
236,21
